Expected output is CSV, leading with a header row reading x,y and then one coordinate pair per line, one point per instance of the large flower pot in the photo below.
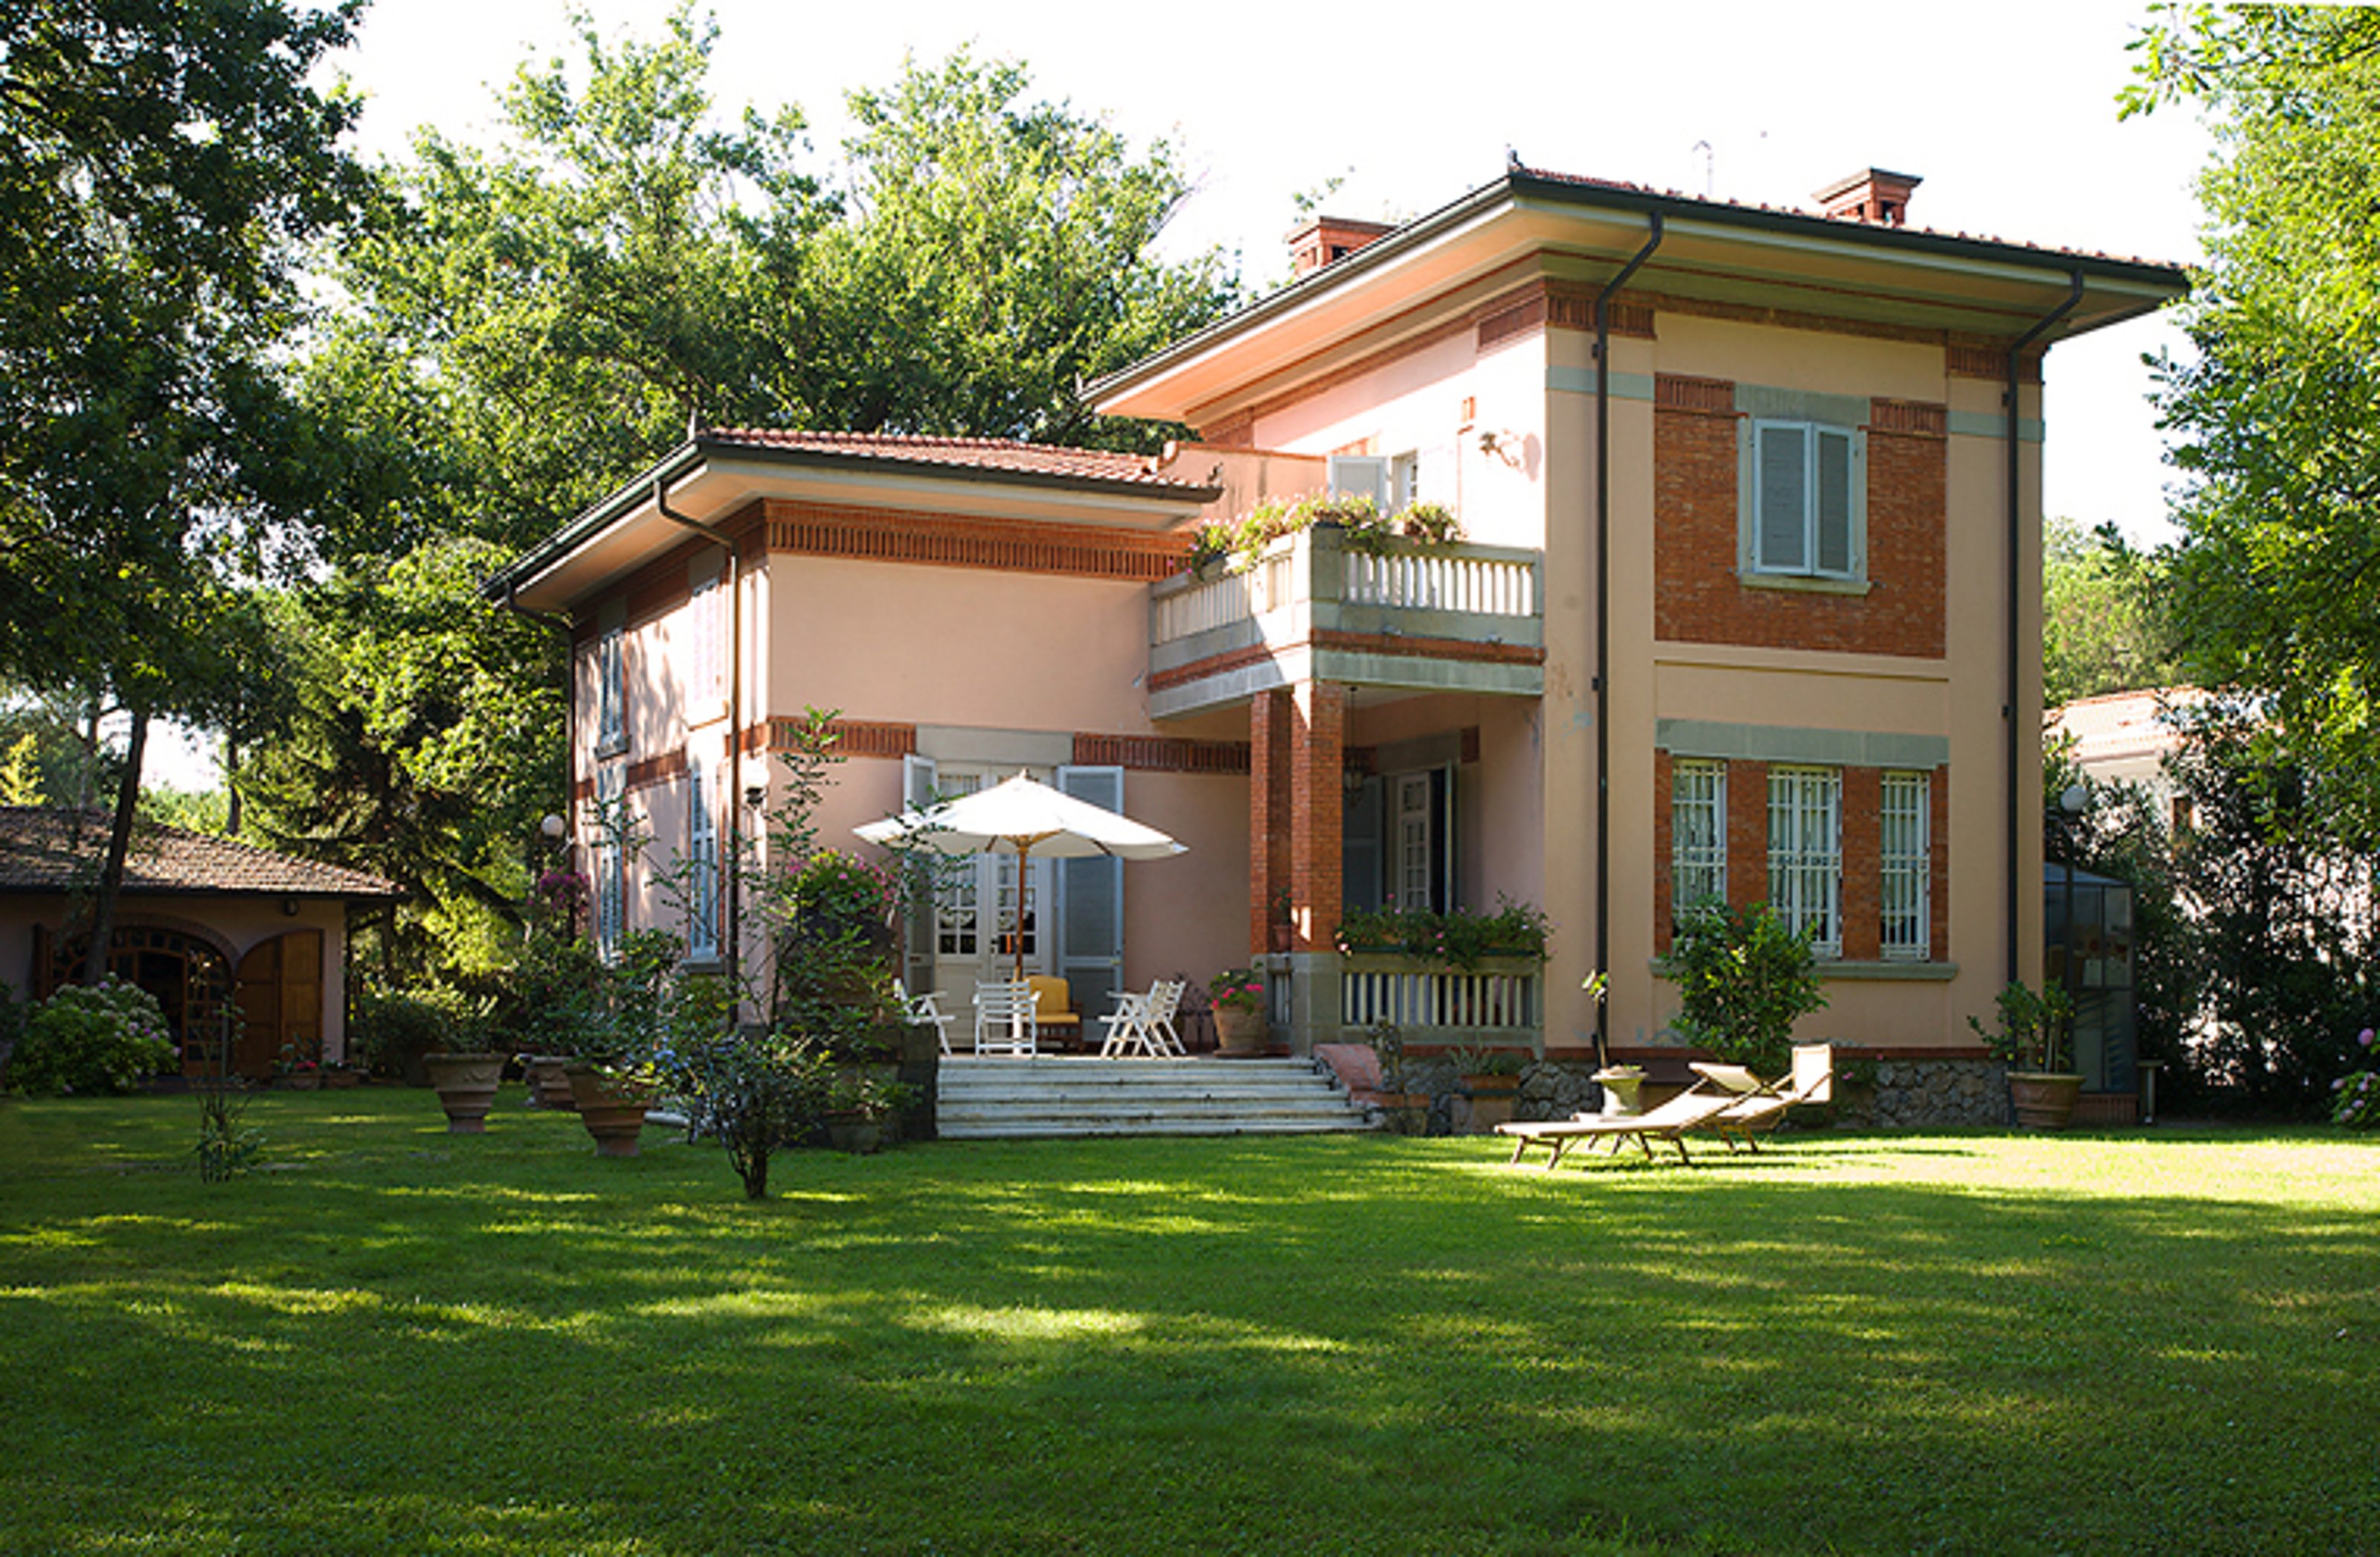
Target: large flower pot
x,y
1241,1033
1620,1086
2043,1102
466,1089
854,1133
613,1110
549,1082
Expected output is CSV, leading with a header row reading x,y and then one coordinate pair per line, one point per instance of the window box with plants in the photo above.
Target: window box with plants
x,y
1460,938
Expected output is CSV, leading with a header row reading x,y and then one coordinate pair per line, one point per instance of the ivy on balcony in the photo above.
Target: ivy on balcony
x,y
1460,938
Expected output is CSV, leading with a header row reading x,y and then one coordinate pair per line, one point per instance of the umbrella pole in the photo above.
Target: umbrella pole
x,y
1023,862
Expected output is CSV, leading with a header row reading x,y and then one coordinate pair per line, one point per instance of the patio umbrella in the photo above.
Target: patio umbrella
x,y
1024,817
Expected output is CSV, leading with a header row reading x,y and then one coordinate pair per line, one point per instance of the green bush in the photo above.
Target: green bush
x,y
108,1037
392,1028
1743,978
1461,938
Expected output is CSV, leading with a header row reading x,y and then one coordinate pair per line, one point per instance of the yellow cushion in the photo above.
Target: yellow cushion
x,y
1056,999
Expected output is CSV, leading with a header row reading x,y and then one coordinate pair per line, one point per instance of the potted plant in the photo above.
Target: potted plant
x,y
857,1110
1492,1076
1240,1029
2028,1041
1408,1112
612,1099
465,1071
1284,931
297,1070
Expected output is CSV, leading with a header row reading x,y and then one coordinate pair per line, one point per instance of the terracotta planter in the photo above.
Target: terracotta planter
x,y
1241,1033
343,1077
1620,1092
300,1081
466,1089
613,1110
855,1133
549,1082
1283,938
2043,1102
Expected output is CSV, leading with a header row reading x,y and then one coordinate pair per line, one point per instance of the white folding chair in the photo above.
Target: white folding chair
x,y
1164,1000
1005,1019
1127,1025
923,1010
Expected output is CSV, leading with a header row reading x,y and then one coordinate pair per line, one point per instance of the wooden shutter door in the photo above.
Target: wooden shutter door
x,y
280,993
1090,904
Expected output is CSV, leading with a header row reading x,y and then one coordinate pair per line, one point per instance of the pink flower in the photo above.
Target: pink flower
x,y
2365,1037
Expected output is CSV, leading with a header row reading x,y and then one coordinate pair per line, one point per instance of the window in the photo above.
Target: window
x,y
706,682
1808,497
610,861
702,865
611,692
1697,834
1806,853
1908,866
1415,844
957,905
1404,481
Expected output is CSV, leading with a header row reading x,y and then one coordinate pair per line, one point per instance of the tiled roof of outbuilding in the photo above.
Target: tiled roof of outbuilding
x,y
53,850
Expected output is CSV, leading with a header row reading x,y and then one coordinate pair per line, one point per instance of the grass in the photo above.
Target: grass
x,y
399,1341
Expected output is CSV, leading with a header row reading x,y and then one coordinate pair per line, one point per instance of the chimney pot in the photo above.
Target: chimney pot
x,y
1871,195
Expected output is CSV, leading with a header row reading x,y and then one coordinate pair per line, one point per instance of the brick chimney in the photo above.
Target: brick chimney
x,y
1871,195
1327,238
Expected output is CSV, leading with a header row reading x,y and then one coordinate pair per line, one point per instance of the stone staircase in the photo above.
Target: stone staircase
x,y
1051,1095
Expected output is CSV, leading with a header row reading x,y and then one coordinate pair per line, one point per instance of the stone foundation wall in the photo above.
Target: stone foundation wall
x,y
1906,1094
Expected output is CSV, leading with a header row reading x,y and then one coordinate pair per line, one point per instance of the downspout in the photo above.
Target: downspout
x,y
734,871
1603,627
2015,613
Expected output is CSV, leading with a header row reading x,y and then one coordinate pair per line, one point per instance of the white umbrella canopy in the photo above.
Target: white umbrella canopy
x,y
1024,817
1021,816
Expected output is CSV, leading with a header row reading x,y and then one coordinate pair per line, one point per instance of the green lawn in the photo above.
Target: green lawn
x,y
399,1341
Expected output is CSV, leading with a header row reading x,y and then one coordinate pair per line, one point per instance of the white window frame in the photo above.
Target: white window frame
x,y
958,906
1697,833
702,865
1806,853
1905,851
611,690
1809,560
611,863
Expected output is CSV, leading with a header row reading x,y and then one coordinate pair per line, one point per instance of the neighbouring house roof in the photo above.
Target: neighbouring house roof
x,y
50,850
2122,726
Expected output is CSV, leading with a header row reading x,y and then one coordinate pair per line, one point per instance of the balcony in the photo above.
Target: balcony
x,y
1420,619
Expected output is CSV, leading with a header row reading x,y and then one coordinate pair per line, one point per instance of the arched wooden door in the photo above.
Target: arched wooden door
x,y
280,1002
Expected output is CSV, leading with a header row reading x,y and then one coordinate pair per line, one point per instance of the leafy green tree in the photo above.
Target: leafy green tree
x,y
2102,616
537,320
414,736
161,167
1743,981
2277,582
996,252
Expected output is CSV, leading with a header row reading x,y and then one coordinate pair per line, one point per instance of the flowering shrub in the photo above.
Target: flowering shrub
x,y
1238,989
1369,530
2359,1094
1460,938
108,1037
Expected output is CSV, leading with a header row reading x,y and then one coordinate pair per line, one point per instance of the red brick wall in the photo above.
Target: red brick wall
x,y
1318,736
1698,597
1747,834
1268,825
1862,892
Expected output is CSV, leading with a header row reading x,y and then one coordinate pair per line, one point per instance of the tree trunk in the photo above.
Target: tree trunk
x,y
231,787
119,844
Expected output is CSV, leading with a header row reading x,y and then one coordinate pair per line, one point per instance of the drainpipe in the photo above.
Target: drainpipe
x,y
1603,627
2015,596
734,872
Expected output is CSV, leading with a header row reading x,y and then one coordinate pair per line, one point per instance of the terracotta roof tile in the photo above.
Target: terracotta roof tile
x,y
44,850
963,453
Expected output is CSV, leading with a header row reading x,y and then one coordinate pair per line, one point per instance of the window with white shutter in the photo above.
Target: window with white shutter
x,y
1807,489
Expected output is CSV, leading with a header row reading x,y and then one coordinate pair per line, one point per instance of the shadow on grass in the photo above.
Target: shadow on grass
x,y
1343,1344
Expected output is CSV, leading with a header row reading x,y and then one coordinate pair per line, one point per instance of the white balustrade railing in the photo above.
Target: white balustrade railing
x,y
1204,605
1442,581
1423,997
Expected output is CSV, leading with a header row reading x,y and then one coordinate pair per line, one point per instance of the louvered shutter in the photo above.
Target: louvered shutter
x,y
1834,502
1360,476
917,779
1090,904
1782,457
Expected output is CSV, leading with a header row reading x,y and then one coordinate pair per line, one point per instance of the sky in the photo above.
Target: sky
x,y
2008,112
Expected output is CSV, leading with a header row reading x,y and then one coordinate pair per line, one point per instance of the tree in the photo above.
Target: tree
x,y
2277,581
160,168
412,737
2103,617
996,253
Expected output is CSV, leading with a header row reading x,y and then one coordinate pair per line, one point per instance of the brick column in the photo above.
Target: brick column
x,y
1747,834
1317,738
1862,889
1269,811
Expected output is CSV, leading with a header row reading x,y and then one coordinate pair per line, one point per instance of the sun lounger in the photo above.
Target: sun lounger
x,y
1758,1105
1689,1110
